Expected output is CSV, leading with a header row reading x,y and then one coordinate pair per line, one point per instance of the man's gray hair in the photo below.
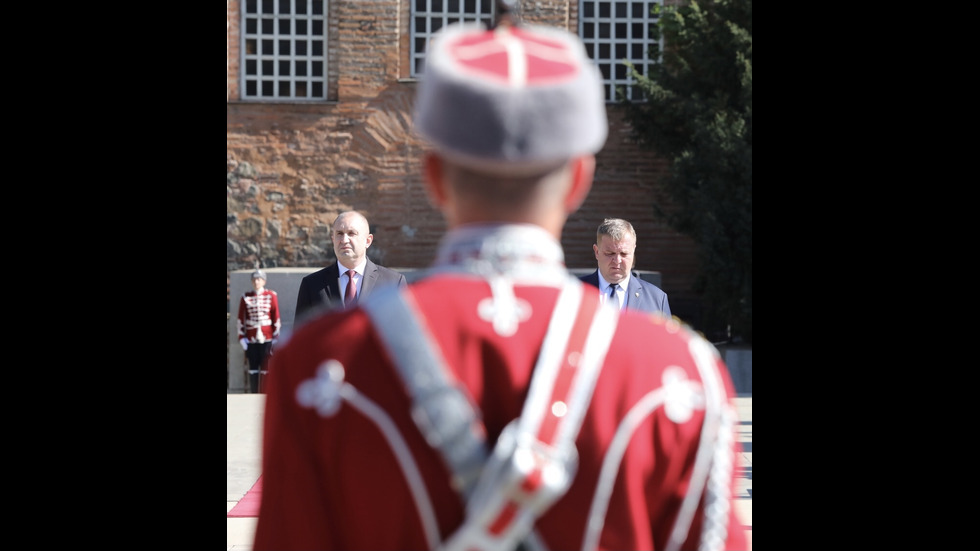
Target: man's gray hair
x,y
616,228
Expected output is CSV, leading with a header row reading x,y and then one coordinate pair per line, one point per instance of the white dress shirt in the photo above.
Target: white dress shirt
x,y
620,291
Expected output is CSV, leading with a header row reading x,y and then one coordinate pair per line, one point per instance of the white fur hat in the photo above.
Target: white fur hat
x,y
510,99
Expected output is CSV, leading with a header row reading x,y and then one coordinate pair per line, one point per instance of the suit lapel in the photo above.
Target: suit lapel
x,y
332,286
634,291
370,277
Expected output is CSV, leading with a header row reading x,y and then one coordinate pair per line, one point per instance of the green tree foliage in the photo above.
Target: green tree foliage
x,y
697,112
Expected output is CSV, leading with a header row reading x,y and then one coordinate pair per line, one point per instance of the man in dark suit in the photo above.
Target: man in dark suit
x,y
615,244
332,286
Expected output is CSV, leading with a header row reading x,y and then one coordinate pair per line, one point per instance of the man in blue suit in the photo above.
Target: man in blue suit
x,y
615,244
328,288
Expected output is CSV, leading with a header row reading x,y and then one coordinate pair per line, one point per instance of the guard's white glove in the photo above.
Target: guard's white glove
x,y
244,342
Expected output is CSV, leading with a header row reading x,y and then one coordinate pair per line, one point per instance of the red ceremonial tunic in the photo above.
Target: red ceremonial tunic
x,y
332,478
258,316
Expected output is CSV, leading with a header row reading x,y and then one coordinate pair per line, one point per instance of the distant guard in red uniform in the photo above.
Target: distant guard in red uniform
x,y
258,327
497,402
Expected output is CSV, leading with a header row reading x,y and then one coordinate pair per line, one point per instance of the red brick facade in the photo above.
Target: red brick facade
x,y
292,167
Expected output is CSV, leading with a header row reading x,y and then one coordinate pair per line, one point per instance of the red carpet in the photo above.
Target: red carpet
x,y
248,506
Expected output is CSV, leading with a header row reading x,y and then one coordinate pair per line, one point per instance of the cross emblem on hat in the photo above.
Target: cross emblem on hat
x,y
514,57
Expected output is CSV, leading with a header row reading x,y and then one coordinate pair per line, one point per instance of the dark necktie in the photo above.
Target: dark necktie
x,y
351,296
612,294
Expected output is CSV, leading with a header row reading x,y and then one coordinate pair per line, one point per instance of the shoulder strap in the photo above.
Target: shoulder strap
x,y
534,459
440,407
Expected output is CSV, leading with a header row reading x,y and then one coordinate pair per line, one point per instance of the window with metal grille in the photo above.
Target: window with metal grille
x,y
284,55
614,30
428,16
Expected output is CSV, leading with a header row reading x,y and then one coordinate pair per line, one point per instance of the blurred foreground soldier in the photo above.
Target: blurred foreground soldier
x,y
258,327
615,248
496,401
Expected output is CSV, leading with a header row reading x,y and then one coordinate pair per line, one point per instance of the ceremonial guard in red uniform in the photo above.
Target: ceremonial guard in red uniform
x,y
497,402
258,327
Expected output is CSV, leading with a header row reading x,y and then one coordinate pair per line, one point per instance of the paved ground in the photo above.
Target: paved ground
x,y
244,462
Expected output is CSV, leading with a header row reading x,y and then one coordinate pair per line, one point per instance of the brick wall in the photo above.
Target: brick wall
x,y
293,167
